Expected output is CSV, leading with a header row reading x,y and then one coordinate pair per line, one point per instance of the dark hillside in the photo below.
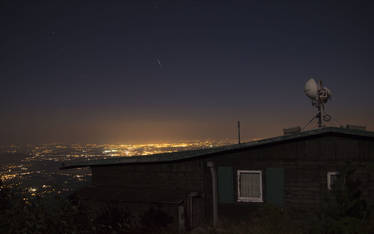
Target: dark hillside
x,y
6,158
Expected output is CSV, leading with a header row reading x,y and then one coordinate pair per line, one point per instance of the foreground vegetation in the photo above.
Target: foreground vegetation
x,y
344,211
22,212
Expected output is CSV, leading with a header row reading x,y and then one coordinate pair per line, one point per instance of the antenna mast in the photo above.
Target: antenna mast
x,y
319,95
238,132
320,108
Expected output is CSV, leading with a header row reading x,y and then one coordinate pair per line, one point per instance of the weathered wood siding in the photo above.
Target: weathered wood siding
x,y
159,180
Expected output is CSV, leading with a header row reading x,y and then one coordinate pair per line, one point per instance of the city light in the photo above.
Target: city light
x,y
39,169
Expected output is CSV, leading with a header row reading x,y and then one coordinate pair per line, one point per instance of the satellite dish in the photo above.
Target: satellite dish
x,y
311,89
319,95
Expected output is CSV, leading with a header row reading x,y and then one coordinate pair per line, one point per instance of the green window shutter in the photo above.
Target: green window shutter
x,y
275,186
225,185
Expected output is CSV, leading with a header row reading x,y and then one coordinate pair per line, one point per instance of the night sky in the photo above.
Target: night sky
x,y
153,71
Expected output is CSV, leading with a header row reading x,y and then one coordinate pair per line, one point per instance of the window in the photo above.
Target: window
x,y
249,186
332,176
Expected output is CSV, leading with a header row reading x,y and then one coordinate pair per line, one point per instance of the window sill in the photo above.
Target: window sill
x,y
256,200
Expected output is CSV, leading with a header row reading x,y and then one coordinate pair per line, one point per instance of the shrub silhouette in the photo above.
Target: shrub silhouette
x,y
113,218
155,219
343,211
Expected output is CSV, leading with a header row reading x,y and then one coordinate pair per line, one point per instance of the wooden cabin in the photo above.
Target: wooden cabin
x,y
292,171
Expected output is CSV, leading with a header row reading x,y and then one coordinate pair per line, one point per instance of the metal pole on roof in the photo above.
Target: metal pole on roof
x,y
320,108
238,132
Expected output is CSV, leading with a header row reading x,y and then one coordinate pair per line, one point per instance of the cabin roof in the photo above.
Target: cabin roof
x,y
188,154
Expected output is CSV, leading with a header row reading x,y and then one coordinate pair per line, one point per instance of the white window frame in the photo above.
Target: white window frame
x,y
329,174
249,199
